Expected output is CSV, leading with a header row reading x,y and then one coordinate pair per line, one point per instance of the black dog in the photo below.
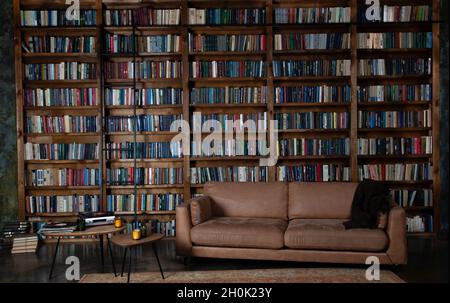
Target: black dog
x,y
371,198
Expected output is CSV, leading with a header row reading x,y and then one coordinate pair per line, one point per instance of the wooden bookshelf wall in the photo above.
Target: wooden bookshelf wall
x,y
186,82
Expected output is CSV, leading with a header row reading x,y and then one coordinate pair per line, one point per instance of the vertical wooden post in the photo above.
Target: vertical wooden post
x,y
354,93
269,76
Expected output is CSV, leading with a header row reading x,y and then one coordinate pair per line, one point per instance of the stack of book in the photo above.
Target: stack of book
x,y
24,244
53,227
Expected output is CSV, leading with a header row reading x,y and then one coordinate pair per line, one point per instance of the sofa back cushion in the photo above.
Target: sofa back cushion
x,y
248,199
321,200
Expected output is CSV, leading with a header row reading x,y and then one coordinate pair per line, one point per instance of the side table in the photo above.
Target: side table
x,y
125,241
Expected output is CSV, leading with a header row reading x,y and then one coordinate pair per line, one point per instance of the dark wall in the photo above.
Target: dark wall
x,y
8,162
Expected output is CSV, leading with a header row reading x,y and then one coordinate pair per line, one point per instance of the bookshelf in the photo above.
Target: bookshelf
x,y
357,71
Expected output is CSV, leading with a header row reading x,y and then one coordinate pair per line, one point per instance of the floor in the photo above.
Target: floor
x,y
428,262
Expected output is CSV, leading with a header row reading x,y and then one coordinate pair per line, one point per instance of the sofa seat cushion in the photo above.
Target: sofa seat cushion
x,y
330,234
240,232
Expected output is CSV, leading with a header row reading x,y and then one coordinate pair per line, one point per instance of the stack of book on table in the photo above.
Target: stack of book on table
x,y
59,227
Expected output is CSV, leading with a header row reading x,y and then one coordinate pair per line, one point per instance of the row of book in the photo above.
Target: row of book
x,y
411,198
56,18
24,244
394,67
117,43
308,68
218,69
313,94
61,71
60,96
395,93
399,13
144,96
141,16
312,120
419,223
166,69
202,175
396,172
228,95
226,16
395,146
313,147
228,148
144,123
143,150
227,43
61,124
64,177
144,175
52,204
313,173
395,40
308,15
300,41
155,226
394,119
61,151
229,122
61,44
144,202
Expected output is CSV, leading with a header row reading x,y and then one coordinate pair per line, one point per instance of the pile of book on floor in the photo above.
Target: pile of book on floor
x,y
24,244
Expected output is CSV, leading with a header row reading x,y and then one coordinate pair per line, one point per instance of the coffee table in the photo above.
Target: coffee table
x,y
99,231
126,241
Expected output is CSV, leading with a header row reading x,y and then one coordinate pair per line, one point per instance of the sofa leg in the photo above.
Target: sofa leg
x,y
187,262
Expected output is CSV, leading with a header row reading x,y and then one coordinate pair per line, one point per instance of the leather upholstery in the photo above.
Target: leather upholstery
x,y
321,200
330,234
183,227
200,209
240,232
248,199
396,230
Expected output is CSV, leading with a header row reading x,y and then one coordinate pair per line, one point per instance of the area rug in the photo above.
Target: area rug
x,y
282,275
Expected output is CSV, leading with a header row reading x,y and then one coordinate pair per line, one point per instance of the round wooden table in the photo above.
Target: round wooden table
x,y
127,242
99,231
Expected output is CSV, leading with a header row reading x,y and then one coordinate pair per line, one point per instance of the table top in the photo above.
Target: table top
x,y
90,231
126,240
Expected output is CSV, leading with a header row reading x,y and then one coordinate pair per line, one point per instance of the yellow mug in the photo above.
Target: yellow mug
x,y
136,234
118,223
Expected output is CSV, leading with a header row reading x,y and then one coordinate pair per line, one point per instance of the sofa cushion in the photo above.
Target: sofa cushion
x,y
200,209
248,199
330,234
321,200
240,232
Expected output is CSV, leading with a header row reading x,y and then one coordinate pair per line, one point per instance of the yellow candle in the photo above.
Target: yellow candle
x,y
136,234
117,222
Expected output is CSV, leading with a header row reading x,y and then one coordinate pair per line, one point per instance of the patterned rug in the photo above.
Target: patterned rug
x,y
282,275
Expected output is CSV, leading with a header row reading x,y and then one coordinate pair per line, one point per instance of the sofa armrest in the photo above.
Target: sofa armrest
x,y
183,227
200,209
396,230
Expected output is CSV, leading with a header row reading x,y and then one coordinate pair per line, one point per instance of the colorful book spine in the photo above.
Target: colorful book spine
x,y
142,16
64,177
144,96
144,150
400,146
313,147
61,71
61,124
309,15
419,223
56,18
231,122
202,175
396,172
229,148
395,40
394,67
61,151
311,68
144,176
144,123
227,16
413,197
61,44
313,173
312,94
300,41
395,93
313,120
117,44
144,202
227,43
166,69
229,95
228,69
398,13
391,119
54,204
60,97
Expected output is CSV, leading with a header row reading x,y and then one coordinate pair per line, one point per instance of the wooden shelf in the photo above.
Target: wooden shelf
x,y
169,186
421,234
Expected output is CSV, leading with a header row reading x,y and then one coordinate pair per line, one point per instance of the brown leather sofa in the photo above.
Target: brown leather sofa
x,y
285,221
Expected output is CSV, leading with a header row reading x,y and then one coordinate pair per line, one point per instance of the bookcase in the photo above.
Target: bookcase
x,y
352,98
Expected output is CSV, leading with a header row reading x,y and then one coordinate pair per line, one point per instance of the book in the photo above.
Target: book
x,y
395,146
308,15
226,43
313,173
144,96
202,175
391,119
61,44
394,67
60,71
226,16
56,204
312,94
228,95
229,69
144,176
396,172
308,68
56,18
313,147
143,150
61,151
44,97
395,93
143,123
144,202
63,177
312,120
61,124
300,41
389,40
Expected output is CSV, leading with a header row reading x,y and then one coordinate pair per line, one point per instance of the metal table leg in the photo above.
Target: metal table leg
x,y
54,259
129,266
157,259
111,255
101,253
123,261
